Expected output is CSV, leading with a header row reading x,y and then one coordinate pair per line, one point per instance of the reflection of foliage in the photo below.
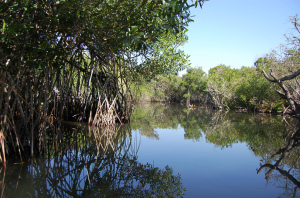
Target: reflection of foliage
x,y
218,129
146,118
108,168
194,124
226,129
221,128
267,136
282,167
152,181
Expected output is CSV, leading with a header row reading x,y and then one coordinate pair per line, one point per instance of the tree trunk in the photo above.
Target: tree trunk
x,y
293,100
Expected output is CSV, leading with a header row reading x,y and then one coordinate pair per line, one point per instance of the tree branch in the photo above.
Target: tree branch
x,y
289,77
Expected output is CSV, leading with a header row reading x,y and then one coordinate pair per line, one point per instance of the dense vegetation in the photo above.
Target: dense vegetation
x,y
223,87
247,88
86,60
77,59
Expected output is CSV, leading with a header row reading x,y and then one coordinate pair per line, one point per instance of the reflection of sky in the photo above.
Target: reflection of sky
x,y
206,170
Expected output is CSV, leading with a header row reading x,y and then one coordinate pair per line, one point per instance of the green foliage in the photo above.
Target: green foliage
x,y
222,83
175,88
60,58
54,29
165,57
195,80
161,88
245,87
187,95
253,90
282,69
229,88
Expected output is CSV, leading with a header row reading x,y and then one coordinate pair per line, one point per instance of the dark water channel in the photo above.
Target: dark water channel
x,y
166,151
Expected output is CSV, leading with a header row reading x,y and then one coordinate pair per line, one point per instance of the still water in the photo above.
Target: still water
x,y
165,151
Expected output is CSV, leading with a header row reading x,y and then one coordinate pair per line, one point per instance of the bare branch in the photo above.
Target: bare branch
x,y
267,77
285,78
291,76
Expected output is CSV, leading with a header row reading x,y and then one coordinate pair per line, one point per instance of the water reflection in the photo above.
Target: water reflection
x,y
89,162
270,138
82,167
283,167
148,117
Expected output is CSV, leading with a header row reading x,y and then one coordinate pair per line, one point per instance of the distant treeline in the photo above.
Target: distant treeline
x,y
224,87
270,85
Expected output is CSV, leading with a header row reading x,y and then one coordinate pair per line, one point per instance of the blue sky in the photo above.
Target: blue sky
x,y
237,32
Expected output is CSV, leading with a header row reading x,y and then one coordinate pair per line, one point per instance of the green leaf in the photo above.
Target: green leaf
x,y
134,28
3,28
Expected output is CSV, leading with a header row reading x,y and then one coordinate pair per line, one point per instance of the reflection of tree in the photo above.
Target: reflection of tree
x,y
225,129
269,138
107,168
285,162
263,134
147,118
218,129
194,122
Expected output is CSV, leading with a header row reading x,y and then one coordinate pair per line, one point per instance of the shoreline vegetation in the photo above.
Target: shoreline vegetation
x,y
87,60
77,60
270,86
